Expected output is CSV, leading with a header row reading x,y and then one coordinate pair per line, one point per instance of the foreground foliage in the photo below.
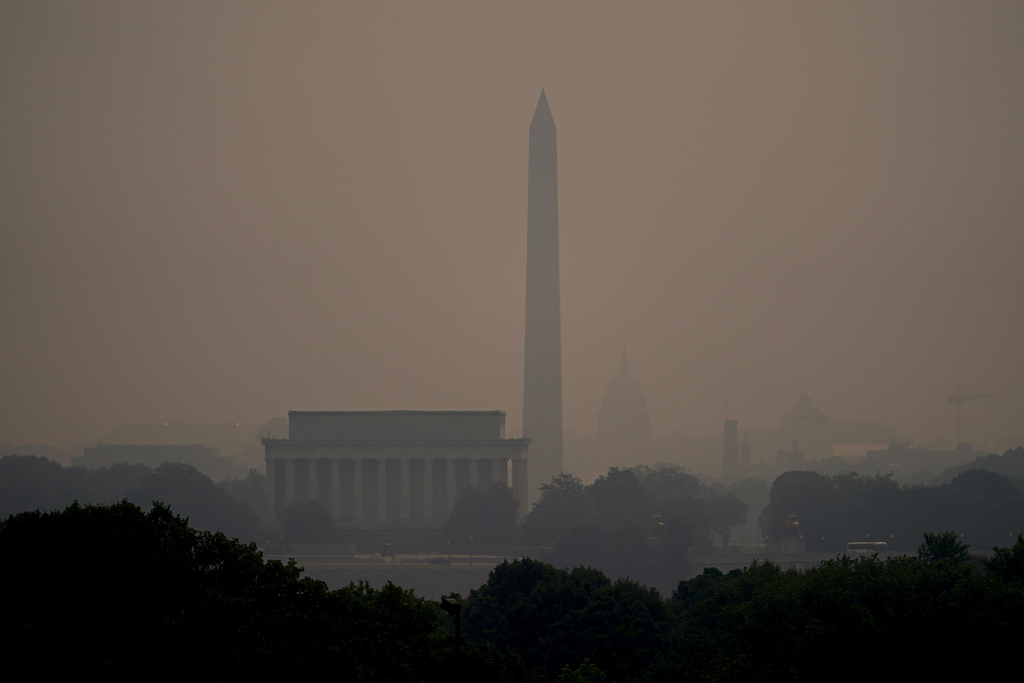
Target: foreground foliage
x,y
902,616
554,618
915,616
118,593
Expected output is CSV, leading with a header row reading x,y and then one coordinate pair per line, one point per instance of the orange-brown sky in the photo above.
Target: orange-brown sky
x,y
217,211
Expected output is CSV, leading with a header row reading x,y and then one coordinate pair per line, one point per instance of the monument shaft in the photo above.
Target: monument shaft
x,y
542,386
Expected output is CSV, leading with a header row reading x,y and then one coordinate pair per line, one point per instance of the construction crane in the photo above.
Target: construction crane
x,y
959,399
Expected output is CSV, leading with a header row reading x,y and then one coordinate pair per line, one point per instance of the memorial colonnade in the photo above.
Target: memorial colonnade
x,y
410,474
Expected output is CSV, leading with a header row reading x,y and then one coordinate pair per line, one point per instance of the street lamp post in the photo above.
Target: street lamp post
x,y
452,607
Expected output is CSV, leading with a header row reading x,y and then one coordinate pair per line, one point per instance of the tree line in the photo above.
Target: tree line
x,y
235,507
118,592
637,522
985,507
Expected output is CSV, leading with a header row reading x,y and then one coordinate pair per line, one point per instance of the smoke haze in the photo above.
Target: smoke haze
x,y
223,211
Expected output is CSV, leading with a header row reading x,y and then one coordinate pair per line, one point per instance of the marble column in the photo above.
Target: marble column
x,y
428,488
313,480
403,490
274,473
289,483
450,493
336,489
382,489
357,489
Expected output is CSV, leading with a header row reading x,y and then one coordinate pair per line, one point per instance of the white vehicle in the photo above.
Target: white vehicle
x,y
867,548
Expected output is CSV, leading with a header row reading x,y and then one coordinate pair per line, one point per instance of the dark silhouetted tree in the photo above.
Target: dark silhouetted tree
x,y
945,547
119,593
723,513
308,521
484,516
563,505
194,495
618,497
251,492
1008,563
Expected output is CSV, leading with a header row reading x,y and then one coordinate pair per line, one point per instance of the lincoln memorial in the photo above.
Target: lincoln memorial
x,y
392,468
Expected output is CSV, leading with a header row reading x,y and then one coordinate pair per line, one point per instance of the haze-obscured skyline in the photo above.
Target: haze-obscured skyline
x,y
224,211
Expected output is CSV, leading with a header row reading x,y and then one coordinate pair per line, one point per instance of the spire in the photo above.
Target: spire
x,y
624,364
542,114
542,386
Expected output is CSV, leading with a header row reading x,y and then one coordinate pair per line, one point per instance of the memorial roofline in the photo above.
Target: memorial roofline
x,y
397,412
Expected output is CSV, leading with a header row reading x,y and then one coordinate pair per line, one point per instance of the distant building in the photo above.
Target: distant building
x,y
623,437
790,459
239,442
805,423
900,458
624,423
400,468
819,438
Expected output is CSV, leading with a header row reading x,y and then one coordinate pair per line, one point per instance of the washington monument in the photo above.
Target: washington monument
x,y
542,385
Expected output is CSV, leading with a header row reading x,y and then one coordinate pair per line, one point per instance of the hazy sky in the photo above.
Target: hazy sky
x,y
217,211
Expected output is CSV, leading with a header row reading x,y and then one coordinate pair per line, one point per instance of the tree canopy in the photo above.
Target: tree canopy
x,y
487,517
118,592
563,505
944,547
32,483
308,521
987,508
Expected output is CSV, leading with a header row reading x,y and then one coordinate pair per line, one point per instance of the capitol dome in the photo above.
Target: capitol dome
x,y
624,414
804,413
